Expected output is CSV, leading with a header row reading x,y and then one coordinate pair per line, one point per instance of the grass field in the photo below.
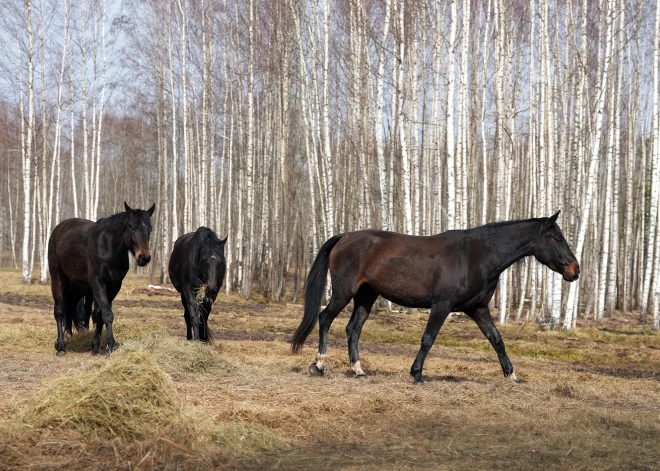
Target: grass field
x,y
589,399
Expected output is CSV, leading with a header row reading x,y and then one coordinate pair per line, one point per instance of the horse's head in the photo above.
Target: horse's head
x,y
138,232
552,250
212,263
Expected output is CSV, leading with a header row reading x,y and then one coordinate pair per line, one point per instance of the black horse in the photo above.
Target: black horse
x,y
83,314
197,267
89,260
453,271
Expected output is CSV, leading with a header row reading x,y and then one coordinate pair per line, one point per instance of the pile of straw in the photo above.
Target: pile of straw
x,y
180,357
130,397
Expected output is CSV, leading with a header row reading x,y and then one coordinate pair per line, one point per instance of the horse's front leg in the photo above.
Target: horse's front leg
x,y
485,322
193,310
106,318
206,307
439,313
186,317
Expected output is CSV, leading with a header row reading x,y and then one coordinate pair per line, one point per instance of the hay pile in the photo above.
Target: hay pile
x,y
179,357
125,413
130,397
28,337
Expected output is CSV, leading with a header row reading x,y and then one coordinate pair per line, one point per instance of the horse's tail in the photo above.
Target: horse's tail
x,y
314,287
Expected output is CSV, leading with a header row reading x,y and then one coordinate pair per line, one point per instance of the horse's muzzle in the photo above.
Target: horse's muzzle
x,y
572,272
210,289
143,260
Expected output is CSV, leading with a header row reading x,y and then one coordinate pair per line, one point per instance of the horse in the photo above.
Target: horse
x,y
457,270
83,314
197,267
89,260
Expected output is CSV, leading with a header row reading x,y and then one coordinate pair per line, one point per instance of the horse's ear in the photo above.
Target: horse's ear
x,y
128,209
151,210
224,240
554,217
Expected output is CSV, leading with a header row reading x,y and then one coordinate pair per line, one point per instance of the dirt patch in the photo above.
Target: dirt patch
x,y
32,301
621,371
157,292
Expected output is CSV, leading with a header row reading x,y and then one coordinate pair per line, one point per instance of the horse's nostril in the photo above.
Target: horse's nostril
x,y
147,259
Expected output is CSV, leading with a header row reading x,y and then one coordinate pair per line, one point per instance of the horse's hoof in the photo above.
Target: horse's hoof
x,y
514,378
361,376
61,353
418,382
315,370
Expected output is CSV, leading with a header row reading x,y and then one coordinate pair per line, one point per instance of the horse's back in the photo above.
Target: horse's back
x,y
393,263
67,245
178,259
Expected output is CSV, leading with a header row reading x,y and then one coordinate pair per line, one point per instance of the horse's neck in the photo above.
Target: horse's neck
x,y
511,243
115,243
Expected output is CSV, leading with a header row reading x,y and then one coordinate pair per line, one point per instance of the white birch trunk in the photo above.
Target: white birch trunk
x,y
379,124
405,164
175,158
451,150
571,304
246,285
327,153
484,152
655,178
27,143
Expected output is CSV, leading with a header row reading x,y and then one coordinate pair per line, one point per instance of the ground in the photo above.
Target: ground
x,y
589,399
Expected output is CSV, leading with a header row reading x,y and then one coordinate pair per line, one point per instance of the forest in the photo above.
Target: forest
x,y
282,123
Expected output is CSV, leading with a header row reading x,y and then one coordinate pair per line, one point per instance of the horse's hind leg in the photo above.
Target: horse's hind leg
x,y
485,322
363,302
338,301
439,313
58,296
70,314
83,313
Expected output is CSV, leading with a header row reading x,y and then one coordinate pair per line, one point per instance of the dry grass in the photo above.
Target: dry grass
x,y
589,399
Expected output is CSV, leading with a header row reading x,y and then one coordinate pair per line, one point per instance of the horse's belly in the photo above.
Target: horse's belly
x,y
400,290
77,286
408,300
402,283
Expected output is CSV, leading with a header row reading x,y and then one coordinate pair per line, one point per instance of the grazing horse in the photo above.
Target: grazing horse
x,y
453,271
197,267
89,260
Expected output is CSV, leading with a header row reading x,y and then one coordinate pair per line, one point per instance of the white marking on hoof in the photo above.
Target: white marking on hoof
x,y
320,361
357,369
514,378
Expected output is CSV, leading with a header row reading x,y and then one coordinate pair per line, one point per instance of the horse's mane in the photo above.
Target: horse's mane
x,y
502,224
114,223
205,234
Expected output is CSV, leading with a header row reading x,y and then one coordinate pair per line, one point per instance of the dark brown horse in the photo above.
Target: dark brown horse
x,y
453,271
89,260
198,261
